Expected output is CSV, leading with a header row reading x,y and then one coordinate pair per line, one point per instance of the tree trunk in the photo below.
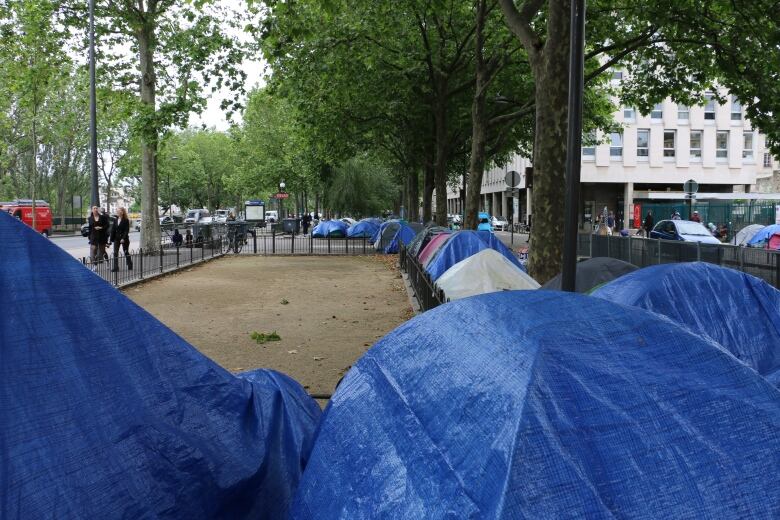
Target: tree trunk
x,y
478,127
427,192
551,94
440,166
414,196
34,161
150,222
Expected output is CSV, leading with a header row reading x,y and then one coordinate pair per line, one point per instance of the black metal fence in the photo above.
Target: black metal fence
x,y
426,292
642,252
143,264
270,242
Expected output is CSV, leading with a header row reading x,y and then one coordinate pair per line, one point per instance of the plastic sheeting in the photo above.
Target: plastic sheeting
x,y
429,252
364,229
485,272
521,404
423,237
462,245
594,272
762,235
738,311
404,235
330,228
746,233
106,413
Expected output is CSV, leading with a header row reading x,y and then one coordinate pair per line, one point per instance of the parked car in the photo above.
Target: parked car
x,y
685,230
499,223
272,216
22,210
195,216
221,215
136,224
484,222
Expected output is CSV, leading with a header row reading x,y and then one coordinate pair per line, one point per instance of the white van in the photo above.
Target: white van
x,y
197,215
272,216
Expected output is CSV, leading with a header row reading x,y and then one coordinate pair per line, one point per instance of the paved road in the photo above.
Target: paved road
x,y
78,246
519,240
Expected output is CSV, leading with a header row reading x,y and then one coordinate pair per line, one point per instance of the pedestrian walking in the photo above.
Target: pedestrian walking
x,y
648,224
188,238
120,237
611,222
97,236
306,223
176,238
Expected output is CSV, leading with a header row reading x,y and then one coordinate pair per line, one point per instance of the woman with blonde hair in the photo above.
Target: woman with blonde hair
x,y
121,237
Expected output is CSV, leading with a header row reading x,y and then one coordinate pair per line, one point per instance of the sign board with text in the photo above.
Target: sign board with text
x,y
282,195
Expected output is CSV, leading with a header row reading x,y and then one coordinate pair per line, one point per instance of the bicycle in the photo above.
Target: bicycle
x,y
235,238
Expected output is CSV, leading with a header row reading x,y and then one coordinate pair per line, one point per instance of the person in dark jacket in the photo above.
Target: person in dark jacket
x,y
98,230
120,236
306,222
648,223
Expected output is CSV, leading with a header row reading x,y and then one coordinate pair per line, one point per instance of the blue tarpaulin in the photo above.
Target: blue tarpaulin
x,y
462,245
542,404
738,311
330,228
404,235
364,229
764,234
106,413
384,225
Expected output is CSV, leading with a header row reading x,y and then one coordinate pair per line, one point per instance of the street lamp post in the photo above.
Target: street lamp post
x,y
93,108
281,200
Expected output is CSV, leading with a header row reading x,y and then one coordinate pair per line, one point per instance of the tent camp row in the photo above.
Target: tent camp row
x,y
757,235
637,401
385,236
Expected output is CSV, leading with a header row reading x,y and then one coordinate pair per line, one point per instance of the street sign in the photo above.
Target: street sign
x,y
690,186
281,195
512,178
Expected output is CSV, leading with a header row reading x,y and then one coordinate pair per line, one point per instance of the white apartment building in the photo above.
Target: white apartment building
x,y
650,159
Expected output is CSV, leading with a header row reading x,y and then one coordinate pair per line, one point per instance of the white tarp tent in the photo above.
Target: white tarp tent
x,y
744,235
485,272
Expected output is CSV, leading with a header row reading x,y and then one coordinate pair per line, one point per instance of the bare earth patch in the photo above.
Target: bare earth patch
x,y
327,311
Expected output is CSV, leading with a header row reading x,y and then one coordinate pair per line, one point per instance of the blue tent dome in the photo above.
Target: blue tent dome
x,y
738,311
545,413
106,413
330,228
364,229
462,245
764,234
405,235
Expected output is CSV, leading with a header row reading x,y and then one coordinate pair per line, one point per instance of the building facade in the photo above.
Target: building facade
x,y
651,157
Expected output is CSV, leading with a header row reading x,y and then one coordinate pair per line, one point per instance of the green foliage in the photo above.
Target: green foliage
x,y
262,337
360,187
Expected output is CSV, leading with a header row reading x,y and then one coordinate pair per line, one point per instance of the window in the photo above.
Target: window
x,y
616,147
617,75
657,112
747,146
629,114
588,146
669,142
767,160
696,145
683,112
736,109
722,145
709,107
642,143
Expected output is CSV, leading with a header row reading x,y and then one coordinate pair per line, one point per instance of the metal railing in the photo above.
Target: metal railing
x,y
426,292
145,264
270,242
642,252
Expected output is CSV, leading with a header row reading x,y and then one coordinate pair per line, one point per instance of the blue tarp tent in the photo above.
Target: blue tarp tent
x,y
362,229
384,225
405,235
462,245
764,234
106,413
738,311
546,413
330,228
373,220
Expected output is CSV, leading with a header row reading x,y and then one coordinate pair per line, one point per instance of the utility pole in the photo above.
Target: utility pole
x,y
574,144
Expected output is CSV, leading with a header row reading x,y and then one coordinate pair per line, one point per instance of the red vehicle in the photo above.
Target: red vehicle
x,y
22,209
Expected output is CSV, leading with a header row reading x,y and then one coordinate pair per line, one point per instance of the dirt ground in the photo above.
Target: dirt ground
x,y
327,310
